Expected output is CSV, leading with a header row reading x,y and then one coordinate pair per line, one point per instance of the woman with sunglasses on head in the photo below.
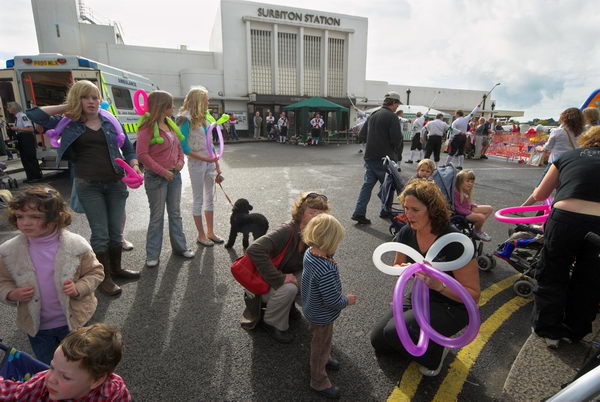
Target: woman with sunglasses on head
x,y
283,280
90,142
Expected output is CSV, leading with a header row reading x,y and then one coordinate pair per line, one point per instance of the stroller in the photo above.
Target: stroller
x,y
392,186
7,182
522,251
17,365
445,177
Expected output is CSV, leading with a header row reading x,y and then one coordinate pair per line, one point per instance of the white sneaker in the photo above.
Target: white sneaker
x,y
188,254
151,263
432,373
483,236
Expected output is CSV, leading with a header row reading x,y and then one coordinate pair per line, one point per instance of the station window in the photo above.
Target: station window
x,y
122,98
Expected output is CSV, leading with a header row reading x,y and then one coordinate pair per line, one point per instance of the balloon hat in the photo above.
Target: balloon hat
x,y
142,110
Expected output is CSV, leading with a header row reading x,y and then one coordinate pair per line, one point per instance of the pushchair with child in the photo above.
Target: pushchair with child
x,y
17,365
445,178
392,186
522,250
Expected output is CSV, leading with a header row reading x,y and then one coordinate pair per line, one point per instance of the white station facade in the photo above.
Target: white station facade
x,y
261,57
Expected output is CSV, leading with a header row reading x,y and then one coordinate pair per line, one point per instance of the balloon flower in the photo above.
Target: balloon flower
x,y
420,293
132,178
215,123
142,110
55,133
546,207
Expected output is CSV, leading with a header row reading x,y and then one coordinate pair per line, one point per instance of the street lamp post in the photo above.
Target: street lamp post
x,y
493,108
483,108
408,96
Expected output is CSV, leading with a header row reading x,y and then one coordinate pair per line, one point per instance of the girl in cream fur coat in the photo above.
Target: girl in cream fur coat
x,y
47,272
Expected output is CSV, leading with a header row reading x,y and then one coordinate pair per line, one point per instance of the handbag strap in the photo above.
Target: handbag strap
x,y
277,260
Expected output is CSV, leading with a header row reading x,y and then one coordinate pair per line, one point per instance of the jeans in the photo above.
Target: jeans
x,y
233,133
45,342
161,192
104,206
374,172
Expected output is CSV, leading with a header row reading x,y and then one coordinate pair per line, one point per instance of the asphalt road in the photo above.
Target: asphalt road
x,y
181,320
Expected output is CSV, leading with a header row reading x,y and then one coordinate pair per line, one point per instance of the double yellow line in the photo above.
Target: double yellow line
x,y
466,357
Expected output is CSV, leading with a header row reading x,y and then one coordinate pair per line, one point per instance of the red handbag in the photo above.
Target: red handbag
x,y
244,271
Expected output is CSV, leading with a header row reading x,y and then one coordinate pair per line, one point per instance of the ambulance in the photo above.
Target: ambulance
x,y
44,79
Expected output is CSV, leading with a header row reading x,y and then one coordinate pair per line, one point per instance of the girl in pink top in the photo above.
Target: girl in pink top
x,y
160,151
463,203
48,273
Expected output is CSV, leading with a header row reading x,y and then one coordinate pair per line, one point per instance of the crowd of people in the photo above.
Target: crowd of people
x,y
53,288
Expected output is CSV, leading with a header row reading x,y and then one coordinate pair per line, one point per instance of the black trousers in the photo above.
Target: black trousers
x,y
457,146
566,301
434,144
27,150
445,318
415,142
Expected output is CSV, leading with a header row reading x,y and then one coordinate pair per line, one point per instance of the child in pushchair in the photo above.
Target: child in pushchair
x,y
522,251
445,178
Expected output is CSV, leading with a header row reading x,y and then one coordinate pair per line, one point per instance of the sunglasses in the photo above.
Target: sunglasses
x,y
315,195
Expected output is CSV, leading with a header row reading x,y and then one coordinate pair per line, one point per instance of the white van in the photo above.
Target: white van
x,y
44,79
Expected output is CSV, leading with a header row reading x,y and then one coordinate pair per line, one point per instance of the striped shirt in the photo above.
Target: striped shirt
x,y
322,298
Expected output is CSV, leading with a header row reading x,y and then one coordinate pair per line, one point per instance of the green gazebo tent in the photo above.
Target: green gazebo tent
x,y
315,104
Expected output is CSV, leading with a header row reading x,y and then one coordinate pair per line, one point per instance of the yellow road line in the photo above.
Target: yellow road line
x,y
465,359
408,384
496,288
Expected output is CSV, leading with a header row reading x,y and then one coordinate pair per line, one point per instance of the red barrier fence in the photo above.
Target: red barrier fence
x,y
513,146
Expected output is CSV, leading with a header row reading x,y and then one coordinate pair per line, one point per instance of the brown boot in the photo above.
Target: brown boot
x,y
107,286
115,263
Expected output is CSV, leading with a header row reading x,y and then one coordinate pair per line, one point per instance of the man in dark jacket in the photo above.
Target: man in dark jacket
x,y
383,138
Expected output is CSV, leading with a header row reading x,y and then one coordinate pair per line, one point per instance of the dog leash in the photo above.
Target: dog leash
x,y
226,196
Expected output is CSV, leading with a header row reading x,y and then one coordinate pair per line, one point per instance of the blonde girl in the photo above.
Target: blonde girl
x,y
322,297
203,168
463,203
90,143
425,169
160,151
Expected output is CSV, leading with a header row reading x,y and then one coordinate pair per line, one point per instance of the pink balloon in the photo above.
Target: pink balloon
x,y
209,145
140,109
499,215
132,179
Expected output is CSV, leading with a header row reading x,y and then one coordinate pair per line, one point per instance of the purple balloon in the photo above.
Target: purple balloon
x,y
209,145
420,308
472,310
120,135
56,132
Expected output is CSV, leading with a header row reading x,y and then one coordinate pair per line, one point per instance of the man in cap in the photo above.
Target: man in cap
x,y
383,137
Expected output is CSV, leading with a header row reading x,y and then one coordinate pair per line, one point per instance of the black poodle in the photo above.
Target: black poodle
x,y
242,221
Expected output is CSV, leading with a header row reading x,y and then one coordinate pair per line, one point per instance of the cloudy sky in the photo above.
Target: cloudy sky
x,y
546,53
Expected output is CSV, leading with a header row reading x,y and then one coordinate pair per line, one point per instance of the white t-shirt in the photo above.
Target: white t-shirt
x,y
22,120
437,127
317,123
270,119
559,143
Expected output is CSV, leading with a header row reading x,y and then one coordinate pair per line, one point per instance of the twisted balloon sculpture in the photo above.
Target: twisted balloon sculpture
x,y
132,178
215,123
142,110
546,207
55,133
420,294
